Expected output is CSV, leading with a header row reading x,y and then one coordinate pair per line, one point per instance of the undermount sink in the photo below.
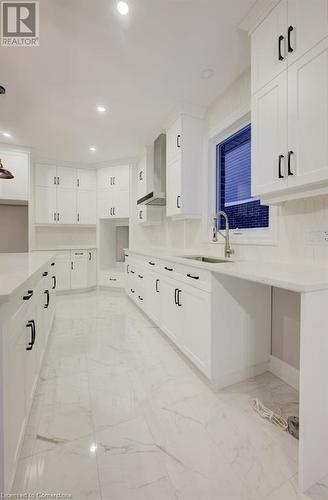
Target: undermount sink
x,y
210,260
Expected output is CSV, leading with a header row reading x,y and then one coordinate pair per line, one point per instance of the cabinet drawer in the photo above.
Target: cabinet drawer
x,y
112,279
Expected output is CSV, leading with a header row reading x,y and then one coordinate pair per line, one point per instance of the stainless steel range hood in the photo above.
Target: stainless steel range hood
x,y
157,196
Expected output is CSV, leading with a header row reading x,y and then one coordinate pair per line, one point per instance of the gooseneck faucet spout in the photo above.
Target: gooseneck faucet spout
x,y
228,251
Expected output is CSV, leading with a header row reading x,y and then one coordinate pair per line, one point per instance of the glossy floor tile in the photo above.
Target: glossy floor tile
x,y
119,415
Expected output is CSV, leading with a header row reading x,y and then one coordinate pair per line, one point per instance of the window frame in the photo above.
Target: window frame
x,y
251,236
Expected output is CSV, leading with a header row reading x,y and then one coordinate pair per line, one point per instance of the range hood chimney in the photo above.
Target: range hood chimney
x,y
157,197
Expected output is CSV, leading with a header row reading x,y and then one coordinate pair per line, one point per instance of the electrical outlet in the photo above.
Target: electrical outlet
x,y
317,238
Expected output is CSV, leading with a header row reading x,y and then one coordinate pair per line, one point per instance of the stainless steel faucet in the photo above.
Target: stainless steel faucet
x,y
228,251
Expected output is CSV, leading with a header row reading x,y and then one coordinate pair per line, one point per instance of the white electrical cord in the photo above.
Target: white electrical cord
x,y
264,412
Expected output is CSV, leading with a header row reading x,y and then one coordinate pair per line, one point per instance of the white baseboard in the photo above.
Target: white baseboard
x,y
286,372
240,376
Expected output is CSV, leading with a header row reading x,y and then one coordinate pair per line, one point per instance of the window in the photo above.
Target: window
x,y
233,185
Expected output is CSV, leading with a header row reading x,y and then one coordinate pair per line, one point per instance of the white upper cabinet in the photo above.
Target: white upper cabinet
x,y
269,137
114,177
290,109
184,167
291,29
18,164
66,177
142,177
308,117
45,175
64,195
307,26
269,47
86,179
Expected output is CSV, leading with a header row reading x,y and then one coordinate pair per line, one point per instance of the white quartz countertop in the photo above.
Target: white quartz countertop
x,y
58,248
17,268
289,276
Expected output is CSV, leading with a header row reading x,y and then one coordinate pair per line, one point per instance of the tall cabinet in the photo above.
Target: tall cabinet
x,y
290,101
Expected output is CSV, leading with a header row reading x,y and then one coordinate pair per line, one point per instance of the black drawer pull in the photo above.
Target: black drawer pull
x,y
290,172
132,291
156,286
28,295
79,253
176,291
140,276
280,175
112,279
193,277
132,272
151,263
179,294
48,299
54,282
280,56
168,268
31,324
290,30
45,274
140,298
178,141
52,263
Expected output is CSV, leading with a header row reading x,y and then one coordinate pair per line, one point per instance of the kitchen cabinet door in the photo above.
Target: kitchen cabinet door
x,y
14,354
45,175
86,206
142,178
66,177
16,188
196,332
174,141
153,295
173,188
308,117
269,137
269,47
79,269
63,271
92,267
307,26
66,206
86,179
172,320
45,205
120,177
31,359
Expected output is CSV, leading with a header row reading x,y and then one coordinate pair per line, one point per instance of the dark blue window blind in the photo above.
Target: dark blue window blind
x,y
233,190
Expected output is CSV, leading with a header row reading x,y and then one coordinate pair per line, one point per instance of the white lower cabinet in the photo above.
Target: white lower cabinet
x,y
76,269
214,320
25,324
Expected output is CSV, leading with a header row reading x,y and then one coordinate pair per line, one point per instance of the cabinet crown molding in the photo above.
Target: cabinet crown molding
x,y
256,14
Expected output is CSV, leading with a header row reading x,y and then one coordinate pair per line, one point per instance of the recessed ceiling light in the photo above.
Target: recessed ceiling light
x,y
92,148
207,73
101,109
123,8
6,134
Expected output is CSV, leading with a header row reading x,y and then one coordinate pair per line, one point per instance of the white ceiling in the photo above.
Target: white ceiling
x,y
141,67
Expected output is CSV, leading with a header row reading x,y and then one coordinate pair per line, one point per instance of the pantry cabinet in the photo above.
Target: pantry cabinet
x,y
64,195
289,113
184,162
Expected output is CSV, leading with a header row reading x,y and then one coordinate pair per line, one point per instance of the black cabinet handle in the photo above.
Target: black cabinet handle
x,y
168,268
55,216
48,299
55,180
193,277
127,268
52,263
140,215
45,274
179,141
179,295
140,175
280,175
112,279
151,263
78,253
290,30
132,291
72,266
30,344
89,255
140,298
111,211
176,291
28,295
140,276
280,56
54,282
178,201
132,272
156,286
110,181
290,172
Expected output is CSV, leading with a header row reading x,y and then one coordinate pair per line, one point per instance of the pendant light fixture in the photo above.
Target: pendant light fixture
x,y
5,174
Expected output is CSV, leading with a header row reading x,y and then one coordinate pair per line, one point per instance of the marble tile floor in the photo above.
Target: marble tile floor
x,y
119,415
